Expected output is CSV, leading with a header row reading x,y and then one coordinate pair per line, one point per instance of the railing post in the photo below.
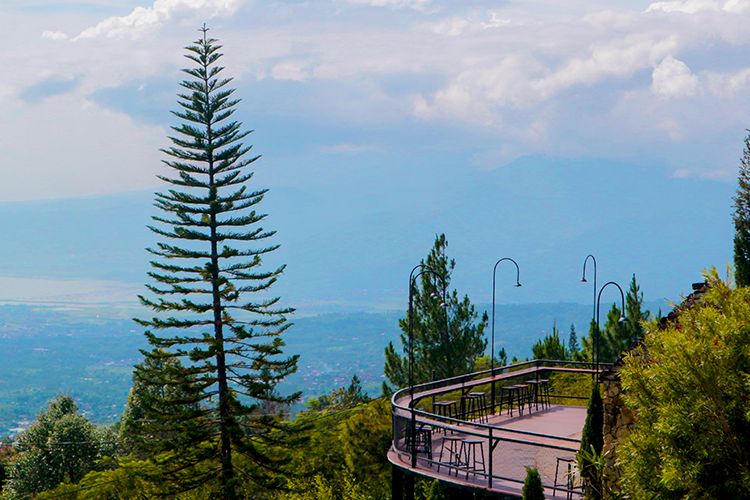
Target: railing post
x,y
489,460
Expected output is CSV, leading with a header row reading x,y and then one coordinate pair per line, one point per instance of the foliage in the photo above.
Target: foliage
x,y
573,347
532,485
617,336
156,405
212,300
592,442
443,346
60,446
741,218
502,357
689,387
345,447
343,486
594,487
550,347
341,398
6,455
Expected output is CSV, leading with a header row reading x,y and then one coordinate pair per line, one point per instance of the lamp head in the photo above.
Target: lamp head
x,y
434,295
583,280
622,320
444,305
518,284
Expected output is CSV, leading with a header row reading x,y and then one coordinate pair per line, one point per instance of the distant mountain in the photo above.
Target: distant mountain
x,y
351,249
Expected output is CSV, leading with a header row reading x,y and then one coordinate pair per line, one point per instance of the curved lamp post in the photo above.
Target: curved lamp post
x,y
598,331
492,342
423,269
583,280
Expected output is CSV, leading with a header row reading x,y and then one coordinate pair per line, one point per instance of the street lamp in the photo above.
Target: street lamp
x,y
492,342
423,269
583,280
598,331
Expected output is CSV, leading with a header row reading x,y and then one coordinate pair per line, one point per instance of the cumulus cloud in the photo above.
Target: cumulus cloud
x,y
673,78
159,12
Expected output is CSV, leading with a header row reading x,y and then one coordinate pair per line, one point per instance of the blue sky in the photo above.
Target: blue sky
x,y
361,100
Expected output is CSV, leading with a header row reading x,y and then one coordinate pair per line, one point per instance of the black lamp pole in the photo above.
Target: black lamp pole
x,y
598,331
583,280
492,342
424,269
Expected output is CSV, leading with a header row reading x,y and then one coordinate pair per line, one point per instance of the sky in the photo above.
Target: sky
x,y
347,94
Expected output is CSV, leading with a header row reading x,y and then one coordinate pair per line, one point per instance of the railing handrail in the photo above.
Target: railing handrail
x,y
491,372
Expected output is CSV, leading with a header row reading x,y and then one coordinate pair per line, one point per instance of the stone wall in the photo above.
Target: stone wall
x,y
617,423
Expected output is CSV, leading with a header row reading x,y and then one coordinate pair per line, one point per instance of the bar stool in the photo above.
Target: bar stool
x,y
469,459
535,395
569,476
524,397
447,409
544,392
451,446
481,409
468,407
508,395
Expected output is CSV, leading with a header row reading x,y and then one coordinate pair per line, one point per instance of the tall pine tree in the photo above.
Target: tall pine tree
x,y
741,219
443,347
211,296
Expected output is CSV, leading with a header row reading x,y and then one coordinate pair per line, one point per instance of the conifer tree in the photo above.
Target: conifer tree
x,y
550,347
213,307
741,219
573,347
443,347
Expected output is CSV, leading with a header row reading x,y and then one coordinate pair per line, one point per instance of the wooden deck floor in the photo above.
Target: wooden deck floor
x,y
509,459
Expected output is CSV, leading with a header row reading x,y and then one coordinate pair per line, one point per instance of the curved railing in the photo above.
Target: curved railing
x,y
520,436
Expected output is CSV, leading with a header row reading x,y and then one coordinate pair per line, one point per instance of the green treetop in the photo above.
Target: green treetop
x,y
550,347
214,309
688,388
60,446
443,346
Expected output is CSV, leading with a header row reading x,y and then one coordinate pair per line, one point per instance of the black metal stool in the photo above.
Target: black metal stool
x,y
451,445
481,410
544,392
468,407
469,459
524,397
568,477
534,387
508,395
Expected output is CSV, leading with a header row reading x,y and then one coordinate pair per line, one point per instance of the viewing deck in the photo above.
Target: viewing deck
x,y
469,444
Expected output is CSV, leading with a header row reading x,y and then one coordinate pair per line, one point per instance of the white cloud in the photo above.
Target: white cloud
x,y
495,21
673,78
453,26
290,70
54,35
414,4
159,12
348,148
78,148
684,6
697,6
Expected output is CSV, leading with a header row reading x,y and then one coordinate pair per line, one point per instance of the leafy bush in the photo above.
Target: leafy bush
x,y
532,485
689,387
